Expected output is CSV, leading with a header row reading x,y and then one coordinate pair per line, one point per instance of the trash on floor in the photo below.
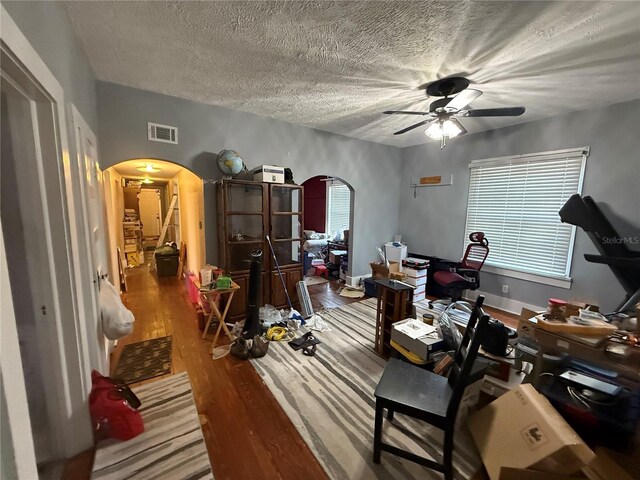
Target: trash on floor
x,y
352,292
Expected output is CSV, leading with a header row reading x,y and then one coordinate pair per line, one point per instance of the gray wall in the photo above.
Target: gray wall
x,y
371,169
433,223
48,29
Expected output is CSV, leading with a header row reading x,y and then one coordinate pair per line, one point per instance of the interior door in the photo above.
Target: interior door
x,y
23,221
91,192
150,210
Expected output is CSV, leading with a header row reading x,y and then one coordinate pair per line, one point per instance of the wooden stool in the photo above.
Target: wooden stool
x,y
321,271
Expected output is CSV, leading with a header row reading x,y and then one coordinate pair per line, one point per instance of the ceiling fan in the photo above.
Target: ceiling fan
x,y
443,112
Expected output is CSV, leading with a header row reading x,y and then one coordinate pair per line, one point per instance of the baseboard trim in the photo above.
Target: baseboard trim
x,y
355,281
501,303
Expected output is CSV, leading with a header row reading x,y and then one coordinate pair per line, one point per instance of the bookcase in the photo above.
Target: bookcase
x,y
247,212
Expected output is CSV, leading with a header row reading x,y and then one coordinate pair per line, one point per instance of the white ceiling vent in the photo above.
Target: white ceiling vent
x,y
162,133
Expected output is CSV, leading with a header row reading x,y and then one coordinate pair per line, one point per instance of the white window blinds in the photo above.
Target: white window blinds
x,y
515,202
338,209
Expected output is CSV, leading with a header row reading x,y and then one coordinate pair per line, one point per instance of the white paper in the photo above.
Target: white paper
x,y
415,329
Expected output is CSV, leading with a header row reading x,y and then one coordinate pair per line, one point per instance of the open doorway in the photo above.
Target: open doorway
x,y
151,203
328,222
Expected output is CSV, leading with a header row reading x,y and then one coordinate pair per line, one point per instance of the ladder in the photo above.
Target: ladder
x,y
165,226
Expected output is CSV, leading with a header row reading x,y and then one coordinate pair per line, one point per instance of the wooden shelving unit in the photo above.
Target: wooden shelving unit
x,y
394,304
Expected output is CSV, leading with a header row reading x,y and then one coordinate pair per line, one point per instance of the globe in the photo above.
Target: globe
x,y
230,162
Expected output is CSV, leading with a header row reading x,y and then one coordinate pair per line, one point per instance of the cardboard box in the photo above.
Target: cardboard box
x,y
527,327
336,255
379,270
420,297
413,273
510,473
416,282
268,173
397,276
421,346
522,430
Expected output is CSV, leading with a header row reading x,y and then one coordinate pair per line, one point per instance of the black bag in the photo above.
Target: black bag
x,y
497,337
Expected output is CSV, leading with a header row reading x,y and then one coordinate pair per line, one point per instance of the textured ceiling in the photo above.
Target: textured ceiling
x,y
336,66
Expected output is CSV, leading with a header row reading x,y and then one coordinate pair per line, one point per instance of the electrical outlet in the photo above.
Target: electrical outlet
x,y
505,288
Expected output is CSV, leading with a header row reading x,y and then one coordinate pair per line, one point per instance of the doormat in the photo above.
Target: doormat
x,y
314,280
143,360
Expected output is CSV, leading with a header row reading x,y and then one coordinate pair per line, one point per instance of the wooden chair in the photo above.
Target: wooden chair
x,y
421,394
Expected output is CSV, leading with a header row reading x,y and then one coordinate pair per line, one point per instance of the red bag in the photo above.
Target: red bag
x,y
113,408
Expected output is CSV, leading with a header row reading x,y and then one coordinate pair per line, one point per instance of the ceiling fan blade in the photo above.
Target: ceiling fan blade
x,y
459,125
495,112
463,99
405,112
415,125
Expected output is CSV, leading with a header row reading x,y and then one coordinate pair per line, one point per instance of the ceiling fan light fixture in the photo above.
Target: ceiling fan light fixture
x,y
442,129
147,180
148,167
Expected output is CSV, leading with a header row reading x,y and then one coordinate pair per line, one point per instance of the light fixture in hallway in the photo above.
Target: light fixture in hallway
x,y
149,167
147,180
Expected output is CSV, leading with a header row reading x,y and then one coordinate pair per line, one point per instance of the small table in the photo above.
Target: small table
x,y
212,297
395,300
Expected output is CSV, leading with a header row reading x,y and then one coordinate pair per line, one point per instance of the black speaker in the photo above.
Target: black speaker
x,y
252,319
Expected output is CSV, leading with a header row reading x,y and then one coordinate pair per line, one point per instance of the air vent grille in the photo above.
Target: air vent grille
x,y
162,133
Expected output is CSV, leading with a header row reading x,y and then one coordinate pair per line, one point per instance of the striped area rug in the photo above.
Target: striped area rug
x,y
329,398
171,447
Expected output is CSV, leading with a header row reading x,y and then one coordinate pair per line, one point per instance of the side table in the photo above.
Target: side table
x,y
395,300
212,297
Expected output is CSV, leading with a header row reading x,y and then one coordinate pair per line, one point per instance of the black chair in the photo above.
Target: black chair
x,y
421,394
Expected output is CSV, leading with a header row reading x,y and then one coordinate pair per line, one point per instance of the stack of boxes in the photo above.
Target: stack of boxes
x,y
415,270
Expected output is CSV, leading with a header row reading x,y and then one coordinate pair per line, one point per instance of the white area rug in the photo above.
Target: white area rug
x,y
329,398
314,280
170,448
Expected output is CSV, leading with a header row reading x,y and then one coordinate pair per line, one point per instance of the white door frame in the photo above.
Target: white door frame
x,y
72,423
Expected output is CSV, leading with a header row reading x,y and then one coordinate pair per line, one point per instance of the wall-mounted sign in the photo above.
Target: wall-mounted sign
x,y
433,180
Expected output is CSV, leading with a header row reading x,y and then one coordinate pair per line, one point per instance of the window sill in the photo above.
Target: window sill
x,y
530,277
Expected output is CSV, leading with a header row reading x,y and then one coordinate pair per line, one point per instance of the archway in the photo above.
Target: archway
x,y
328,222
151,201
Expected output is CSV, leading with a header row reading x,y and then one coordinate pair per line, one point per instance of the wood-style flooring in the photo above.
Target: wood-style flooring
x,y
248,434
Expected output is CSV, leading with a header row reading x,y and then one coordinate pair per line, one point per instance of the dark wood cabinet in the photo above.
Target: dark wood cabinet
x,y
248,211
395,302
238,307
291,276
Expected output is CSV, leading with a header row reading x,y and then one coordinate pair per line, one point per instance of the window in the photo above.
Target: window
x,y
515,202
338,208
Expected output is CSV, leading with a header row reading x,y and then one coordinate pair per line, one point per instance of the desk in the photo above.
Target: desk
x,y
212,297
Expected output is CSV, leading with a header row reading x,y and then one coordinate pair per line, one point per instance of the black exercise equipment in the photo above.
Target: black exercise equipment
x,y
583,212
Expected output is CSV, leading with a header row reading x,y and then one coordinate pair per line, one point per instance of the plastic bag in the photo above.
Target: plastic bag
x,y
317,323
117,320
113,407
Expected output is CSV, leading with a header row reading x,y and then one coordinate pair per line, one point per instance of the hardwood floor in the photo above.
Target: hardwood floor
x,y
247,433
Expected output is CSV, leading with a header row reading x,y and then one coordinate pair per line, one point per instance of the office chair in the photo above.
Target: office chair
x,y
413,391
466,274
